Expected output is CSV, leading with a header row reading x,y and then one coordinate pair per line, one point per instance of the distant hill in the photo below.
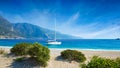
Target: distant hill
x,y
32,31
29,31
26,30
6,28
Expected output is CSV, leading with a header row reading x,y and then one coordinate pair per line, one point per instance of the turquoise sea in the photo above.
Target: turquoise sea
x,y
90,44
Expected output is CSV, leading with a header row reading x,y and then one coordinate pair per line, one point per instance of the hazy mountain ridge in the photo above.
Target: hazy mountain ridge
x,y
26,30
29,31
6,28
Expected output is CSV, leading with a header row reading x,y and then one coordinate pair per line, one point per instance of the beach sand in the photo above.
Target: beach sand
x,y
55,60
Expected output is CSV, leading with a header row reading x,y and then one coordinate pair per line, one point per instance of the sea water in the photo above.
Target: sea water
x,y
90,44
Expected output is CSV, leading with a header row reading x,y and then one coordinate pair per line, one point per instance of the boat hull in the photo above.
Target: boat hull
x,y
54,43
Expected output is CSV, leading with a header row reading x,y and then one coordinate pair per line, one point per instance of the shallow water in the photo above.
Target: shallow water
x,y
94,44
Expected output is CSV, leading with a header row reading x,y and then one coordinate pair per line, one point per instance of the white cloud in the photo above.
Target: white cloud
x,y
105,33
73,18
76,16
77,29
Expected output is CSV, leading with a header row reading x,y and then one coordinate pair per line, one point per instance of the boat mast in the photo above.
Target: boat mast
x,y
55,29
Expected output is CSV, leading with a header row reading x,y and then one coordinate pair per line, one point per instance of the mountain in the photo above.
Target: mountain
x,y
29,31
6,28
26,30
32,31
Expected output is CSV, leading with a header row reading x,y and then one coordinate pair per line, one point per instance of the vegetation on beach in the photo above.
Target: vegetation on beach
x,y
2,51
19,59
21,49
98,62
73,55
40,53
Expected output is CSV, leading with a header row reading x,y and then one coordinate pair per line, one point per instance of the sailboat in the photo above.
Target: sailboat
x,y
54,41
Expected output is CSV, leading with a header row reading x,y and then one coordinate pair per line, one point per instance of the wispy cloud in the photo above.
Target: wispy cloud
x,y
41,18
18,18
73,18
104,33
78,29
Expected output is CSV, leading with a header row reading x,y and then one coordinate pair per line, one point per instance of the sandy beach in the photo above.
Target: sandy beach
x,y
55,61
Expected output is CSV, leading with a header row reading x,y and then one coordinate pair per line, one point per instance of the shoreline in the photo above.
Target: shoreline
x,y
84,49
72,49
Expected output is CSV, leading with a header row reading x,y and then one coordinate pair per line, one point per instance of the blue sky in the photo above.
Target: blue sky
x,y
83,18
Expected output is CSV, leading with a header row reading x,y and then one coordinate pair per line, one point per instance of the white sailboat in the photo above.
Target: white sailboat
x,y
54,42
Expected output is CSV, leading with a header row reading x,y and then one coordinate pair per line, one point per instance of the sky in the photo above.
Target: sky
x,y
89,19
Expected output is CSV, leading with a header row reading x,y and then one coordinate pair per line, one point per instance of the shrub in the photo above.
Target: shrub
x,y
98,62
42,62
73,55
19,59
40,53
118,62
21,49
2,51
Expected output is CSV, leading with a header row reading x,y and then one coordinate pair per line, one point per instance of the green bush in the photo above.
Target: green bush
x,y
73,55
40,53
98,62
118,62
42,62
21,49
2,51
19,59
